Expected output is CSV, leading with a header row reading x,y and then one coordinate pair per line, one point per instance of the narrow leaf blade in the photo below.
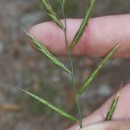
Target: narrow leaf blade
x,y
52,13
56,20
49,105
96,71
83,24
112,108
43,50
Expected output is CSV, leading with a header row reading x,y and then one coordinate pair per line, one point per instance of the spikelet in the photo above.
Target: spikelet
x,y
112,108
83,25
96,71
49,105
52,13
43,50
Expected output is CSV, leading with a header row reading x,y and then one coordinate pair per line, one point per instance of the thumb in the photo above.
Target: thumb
x,y
122,111
109,125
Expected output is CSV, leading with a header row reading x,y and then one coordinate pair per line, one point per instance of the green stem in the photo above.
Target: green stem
x,y
72,68
68,51
78,105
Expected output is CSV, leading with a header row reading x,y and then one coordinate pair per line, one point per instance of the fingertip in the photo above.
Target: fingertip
x,y
38,31
52,36
99,37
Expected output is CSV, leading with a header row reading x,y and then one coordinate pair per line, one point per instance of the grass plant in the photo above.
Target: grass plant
x,y
52,13
83,24
112,108
43,50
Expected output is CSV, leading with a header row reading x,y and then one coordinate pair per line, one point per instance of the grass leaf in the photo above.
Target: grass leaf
x,y
83,24
52,13
96,71
112,108
43,50
46,103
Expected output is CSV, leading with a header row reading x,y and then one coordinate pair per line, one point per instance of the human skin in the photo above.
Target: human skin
x,y
101,34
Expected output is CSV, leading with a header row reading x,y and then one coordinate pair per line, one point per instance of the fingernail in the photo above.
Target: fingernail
x,y
96,126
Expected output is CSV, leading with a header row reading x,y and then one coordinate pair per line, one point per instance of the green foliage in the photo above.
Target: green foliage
x,y
44,90
43,50
52,13
112,108
62,2
83,24
54,108
96,71
69,5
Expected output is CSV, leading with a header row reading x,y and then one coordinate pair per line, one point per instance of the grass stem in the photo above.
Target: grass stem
x,y
78,105
72,68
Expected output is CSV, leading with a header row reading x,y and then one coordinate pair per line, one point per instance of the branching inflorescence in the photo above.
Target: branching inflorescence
x,y
43,50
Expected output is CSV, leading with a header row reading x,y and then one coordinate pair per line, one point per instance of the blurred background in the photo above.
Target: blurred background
x,y
21,67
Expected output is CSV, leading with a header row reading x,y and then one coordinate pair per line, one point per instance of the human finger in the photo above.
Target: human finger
x,y
101,34
109,125
122,111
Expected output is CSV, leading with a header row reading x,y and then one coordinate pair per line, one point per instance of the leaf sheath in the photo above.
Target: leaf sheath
x,y
112,108
83,24
59,111
96,71
43,50
52,13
